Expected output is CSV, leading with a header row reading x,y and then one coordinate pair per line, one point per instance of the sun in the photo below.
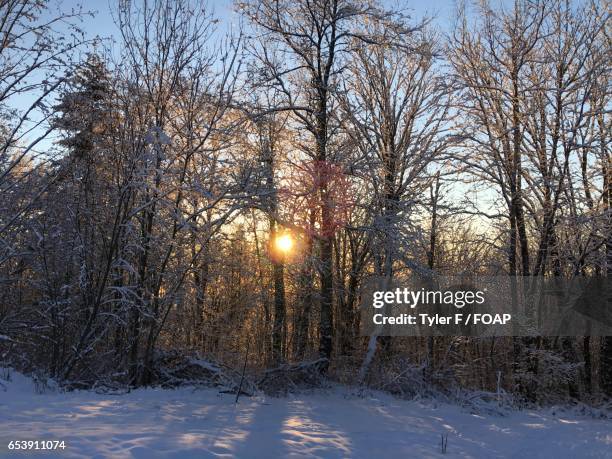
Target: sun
x,y
284,243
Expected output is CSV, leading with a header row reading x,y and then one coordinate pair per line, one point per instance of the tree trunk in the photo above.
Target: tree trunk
x,y
279,303
326,249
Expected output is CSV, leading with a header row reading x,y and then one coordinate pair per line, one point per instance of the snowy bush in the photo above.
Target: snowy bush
x,y
291,378
545,377
401,377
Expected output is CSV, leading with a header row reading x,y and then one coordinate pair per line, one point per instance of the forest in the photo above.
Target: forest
x,y
218,188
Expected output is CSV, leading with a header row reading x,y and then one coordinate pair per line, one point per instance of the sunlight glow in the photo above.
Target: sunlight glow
x,y
284,243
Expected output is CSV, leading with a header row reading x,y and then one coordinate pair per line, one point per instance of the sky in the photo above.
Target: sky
x,y
102,24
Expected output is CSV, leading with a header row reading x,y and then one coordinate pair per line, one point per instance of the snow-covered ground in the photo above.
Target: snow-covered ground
x,y
202,423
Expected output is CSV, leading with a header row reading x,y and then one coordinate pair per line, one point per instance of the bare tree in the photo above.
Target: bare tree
x,y
303,50
35,58
397,110
490,59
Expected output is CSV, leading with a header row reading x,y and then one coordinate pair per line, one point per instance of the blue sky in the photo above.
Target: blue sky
x,y
103,25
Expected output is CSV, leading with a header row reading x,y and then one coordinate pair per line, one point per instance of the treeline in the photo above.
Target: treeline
x,y
144,192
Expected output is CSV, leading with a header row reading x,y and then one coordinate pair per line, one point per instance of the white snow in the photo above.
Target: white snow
x,y
187,423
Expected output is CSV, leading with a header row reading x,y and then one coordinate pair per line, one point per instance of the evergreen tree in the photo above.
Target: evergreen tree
x,y
84,113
